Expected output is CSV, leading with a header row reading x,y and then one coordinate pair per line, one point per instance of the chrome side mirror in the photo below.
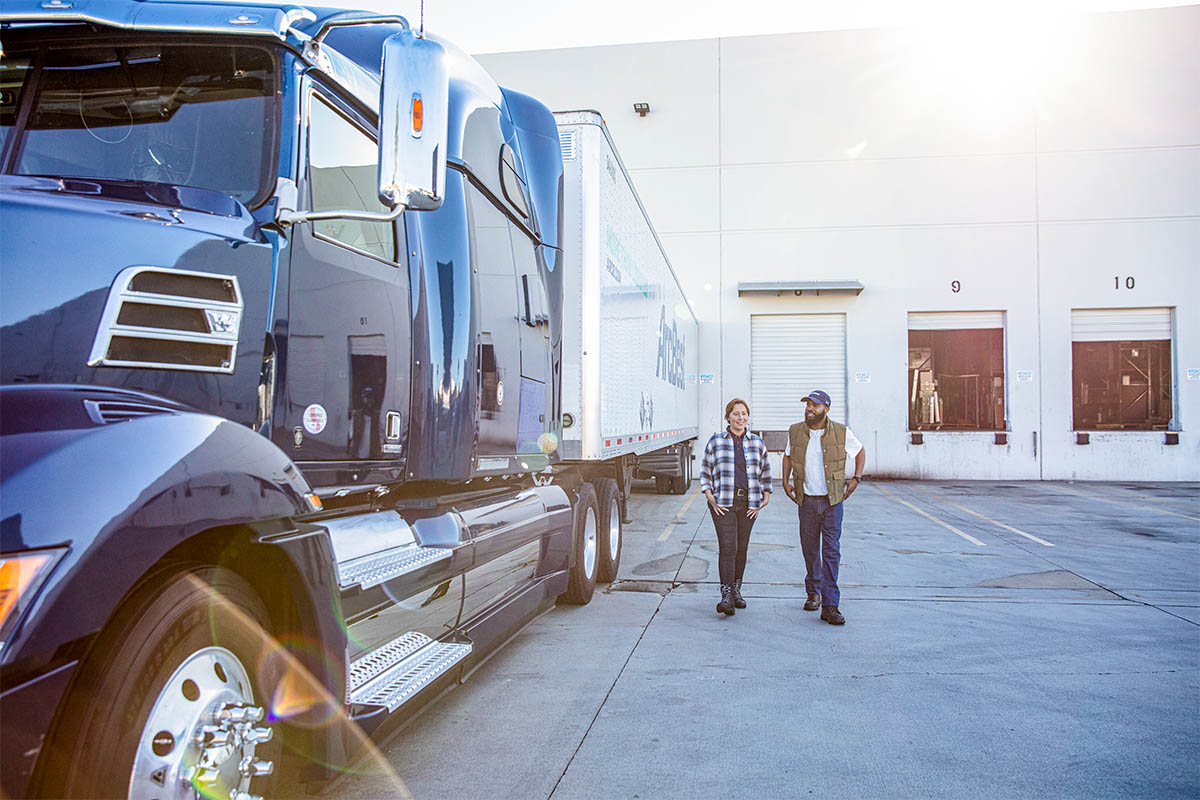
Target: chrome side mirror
x,y
414,96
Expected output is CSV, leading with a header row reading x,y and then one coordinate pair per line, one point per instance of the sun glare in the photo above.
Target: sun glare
x,y
990,60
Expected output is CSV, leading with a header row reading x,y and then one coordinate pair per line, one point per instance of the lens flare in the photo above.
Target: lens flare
x,y
297,697
283,661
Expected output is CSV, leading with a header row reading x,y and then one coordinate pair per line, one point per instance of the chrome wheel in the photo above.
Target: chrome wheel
x,y
200,736
614,530
590,529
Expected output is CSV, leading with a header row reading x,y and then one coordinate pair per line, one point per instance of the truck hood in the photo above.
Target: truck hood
x,y
66,240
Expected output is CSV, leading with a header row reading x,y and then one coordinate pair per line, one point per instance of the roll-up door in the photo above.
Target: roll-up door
x,y
1120,324
791,355
954,320
373,345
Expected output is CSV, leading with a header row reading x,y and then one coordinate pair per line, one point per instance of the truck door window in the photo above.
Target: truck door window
x,y
188,115
343,166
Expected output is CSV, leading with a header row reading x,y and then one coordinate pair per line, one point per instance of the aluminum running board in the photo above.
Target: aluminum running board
x,y
394,673
379,568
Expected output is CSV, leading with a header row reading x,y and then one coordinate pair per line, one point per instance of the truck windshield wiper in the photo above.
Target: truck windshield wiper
x,y
168,195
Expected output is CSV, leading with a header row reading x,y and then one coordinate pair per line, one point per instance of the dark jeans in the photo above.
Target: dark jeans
x,y
820,540
733,539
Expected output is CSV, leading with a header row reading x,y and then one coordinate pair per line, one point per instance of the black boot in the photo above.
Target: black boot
x,y
738,600
814,602
726,604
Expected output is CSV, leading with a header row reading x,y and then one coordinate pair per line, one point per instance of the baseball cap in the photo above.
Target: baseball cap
x,y
817,396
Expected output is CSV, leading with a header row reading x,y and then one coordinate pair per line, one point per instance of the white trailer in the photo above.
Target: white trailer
x,y
629,391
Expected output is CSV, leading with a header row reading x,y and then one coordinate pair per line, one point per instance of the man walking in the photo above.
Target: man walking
x,y
819,467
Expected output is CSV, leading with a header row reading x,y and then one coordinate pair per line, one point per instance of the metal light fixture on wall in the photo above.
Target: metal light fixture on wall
x,y
642,109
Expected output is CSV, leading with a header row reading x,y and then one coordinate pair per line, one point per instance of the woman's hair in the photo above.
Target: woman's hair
x,y
737,401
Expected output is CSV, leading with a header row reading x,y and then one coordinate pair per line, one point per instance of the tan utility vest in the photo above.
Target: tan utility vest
x,y
833,448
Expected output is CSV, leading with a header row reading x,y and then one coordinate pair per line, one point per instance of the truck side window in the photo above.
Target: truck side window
x,y
500,353
343,162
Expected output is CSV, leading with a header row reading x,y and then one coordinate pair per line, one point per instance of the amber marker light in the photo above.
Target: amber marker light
x,y
21,575
418,115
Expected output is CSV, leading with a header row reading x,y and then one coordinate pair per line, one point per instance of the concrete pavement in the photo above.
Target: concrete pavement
x,y
1003,640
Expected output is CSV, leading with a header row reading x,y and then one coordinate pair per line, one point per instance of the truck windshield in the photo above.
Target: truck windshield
x,y
188,115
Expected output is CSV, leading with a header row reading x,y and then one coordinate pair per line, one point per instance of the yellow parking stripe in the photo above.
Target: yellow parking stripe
x,y
662,537
1082,493
997,523
927,515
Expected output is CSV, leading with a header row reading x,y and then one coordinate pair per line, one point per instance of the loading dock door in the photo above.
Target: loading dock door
x,y
1121,369
791,355
1120,324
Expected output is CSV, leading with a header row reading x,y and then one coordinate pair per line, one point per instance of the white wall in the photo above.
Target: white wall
x,y
1032,169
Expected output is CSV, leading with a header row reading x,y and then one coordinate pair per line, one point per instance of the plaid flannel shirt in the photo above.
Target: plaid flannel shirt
x,y
717,470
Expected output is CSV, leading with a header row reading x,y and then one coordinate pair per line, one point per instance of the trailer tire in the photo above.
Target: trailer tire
x,y
678,484
611,531
181,650
585,535
662,484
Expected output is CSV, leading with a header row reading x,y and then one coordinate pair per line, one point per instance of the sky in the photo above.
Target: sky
x,y
493,26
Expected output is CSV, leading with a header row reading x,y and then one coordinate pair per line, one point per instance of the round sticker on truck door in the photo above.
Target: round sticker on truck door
x,y
315,418
499,393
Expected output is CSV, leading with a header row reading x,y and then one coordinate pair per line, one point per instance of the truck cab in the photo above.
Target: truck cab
x,y
177,150
281,314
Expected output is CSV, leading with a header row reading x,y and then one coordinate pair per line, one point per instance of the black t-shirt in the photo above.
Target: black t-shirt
x,y
740,479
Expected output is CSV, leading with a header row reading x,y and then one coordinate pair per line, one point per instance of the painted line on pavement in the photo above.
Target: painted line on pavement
x,y
1155,500
1122,502
927,515
997,523
662,537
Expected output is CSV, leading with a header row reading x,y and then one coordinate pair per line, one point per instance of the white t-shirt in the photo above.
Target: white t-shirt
x,y
814,460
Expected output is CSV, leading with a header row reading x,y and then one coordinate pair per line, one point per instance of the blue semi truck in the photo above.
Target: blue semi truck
x,y
269,483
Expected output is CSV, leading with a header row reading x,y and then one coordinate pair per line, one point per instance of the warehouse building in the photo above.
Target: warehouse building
x,y
983,242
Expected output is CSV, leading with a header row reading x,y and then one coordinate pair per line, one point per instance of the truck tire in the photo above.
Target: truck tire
x,y
662,484
581,583
610,539
183,655
679,484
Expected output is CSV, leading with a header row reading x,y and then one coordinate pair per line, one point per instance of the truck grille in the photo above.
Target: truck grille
x,y
160,318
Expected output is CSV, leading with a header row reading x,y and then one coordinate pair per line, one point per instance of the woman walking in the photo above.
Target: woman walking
x,y
735,476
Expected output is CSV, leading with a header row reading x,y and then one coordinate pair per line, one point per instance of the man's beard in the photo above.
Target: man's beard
x,y
814,417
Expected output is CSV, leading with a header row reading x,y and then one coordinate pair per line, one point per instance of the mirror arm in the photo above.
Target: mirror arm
x,y
296,217
285,197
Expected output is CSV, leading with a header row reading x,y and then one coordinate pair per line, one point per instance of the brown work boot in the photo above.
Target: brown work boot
x,y
831,615
814,602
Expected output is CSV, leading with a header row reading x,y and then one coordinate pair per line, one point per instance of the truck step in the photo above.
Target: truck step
x,y
378,568
394,673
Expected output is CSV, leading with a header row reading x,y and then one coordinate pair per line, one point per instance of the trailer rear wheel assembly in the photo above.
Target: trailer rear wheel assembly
x,y
581,582
168,705
678,484
609,502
